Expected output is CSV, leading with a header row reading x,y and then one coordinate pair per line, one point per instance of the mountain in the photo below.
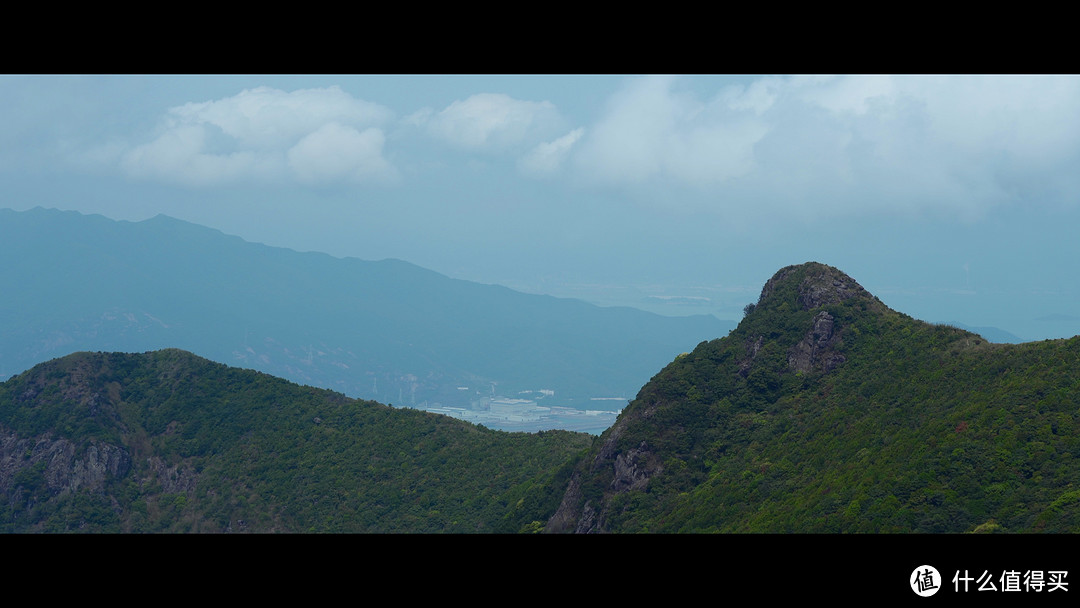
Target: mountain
x,y
826,411
385,330
991,334
167,441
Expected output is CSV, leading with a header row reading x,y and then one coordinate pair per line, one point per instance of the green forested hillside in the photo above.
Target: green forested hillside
x,y
825,411
169,442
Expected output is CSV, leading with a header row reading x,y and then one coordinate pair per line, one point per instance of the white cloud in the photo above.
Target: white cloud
x,y
955,145
812,144
266,134
418,118
651,131
179,154
758,97
269,118
336,152
492,121
547,157
838,93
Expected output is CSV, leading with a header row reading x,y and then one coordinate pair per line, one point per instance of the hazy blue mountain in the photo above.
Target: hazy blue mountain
x,y
385,330
991,334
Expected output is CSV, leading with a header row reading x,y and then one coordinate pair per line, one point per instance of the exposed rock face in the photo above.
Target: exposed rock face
x,y
65,469
823,289
753,347
632,471
175,479
589,522
101,461
821,286
818,286
568,518
817,349
565,516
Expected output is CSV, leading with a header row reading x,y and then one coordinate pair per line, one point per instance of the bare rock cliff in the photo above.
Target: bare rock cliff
x,y
66,469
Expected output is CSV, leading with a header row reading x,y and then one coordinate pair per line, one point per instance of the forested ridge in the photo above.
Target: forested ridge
x,y
168,442
826,411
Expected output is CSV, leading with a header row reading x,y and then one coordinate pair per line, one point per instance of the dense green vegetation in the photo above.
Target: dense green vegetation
x,y
201,447
890,425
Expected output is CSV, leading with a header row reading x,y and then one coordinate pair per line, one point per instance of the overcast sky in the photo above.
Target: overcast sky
x,y
953,198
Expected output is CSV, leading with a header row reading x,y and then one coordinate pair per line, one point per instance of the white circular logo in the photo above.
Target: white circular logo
x,y
925,581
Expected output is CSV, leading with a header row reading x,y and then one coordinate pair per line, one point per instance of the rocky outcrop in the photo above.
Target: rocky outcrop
x,y
820,285
817,351
567,515
828,288
571,515
633,469
753,347
630,470
589,522
176,479
809,287
64,467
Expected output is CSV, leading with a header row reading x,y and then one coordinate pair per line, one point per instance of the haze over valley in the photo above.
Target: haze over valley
x,y
387,330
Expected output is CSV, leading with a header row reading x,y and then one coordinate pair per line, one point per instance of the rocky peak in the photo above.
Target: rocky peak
x,y
811,285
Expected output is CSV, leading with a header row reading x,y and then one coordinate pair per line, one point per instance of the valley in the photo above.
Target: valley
x,y
527,415
382,330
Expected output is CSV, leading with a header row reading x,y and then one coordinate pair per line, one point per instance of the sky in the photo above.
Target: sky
x,y
953,198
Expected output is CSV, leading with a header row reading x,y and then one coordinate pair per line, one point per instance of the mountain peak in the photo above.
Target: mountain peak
x,y
825,411
811,285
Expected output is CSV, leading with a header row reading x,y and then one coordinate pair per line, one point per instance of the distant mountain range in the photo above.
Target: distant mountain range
x,y
385,330
991,334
